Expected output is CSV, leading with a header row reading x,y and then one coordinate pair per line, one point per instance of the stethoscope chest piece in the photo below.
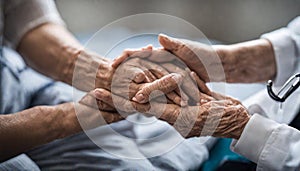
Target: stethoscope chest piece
x,y
286,90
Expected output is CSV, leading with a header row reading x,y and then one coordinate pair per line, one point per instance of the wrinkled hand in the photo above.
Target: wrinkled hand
x,y
151,77
94,71
173,65
91,113
200,58
164,63
124,79
219,118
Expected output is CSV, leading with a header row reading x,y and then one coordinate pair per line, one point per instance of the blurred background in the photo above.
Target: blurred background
x,y
228,21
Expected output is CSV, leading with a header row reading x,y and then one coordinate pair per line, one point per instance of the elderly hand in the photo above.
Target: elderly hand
x,y
188,86
215,115
243,62
155,78
220,118
92,71
165,63
127,78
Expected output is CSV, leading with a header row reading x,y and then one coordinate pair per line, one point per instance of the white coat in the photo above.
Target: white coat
x,y
268,140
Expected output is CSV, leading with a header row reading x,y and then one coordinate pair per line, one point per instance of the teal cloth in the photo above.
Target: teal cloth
x,y
219,154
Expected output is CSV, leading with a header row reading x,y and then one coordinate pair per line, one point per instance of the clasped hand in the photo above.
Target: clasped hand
x,y
157,82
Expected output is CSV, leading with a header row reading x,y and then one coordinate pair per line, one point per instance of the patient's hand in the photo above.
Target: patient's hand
x,y
172,64
127,78
94,71
218,115
219,118
150,77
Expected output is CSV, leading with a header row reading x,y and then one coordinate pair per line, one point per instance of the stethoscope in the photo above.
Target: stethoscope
x,y
285,91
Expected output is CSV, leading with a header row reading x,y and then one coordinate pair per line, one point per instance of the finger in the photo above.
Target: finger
x,y
166,84
168,43
166,112
139,78
160,55
219,103
152,70
91,101
127,73
189,52
149,76
175,97
189,88
204,99
91,118
182,94
103,106
121,103
131,73
201,84
143,52
219,96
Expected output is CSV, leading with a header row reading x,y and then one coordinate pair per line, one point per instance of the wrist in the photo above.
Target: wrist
x,y
65,122
241,126
70,56
91,71
245,62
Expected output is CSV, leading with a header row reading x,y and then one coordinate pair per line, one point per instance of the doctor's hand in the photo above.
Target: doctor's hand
x,y
242,62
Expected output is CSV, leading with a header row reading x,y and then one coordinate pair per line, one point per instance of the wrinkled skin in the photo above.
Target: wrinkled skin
x,y
155,78
222,118
213,114
241,63
127,78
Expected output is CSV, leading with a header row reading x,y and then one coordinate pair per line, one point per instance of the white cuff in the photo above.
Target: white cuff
x,y
285,53
254,137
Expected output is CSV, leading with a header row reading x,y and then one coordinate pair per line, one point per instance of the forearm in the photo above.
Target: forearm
x,y
51,50
248,62
24,130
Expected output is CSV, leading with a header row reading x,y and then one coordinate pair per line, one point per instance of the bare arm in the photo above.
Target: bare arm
x,y
248,62
36,126
24,130
51,50
252,61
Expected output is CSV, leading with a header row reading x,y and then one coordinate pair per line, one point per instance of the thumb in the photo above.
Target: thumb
x,y
169,43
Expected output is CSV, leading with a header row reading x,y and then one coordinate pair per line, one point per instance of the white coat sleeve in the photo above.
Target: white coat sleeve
x,y
271,145
286,45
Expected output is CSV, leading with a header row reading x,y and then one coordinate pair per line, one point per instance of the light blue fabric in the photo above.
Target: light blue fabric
x,y
22,88
21,162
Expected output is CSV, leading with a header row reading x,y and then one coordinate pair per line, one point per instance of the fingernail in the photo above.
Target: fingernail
x,y
134,99
177,100
183,103
163,35
203,101
98,93
184,97
139,98
139,77
177,78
